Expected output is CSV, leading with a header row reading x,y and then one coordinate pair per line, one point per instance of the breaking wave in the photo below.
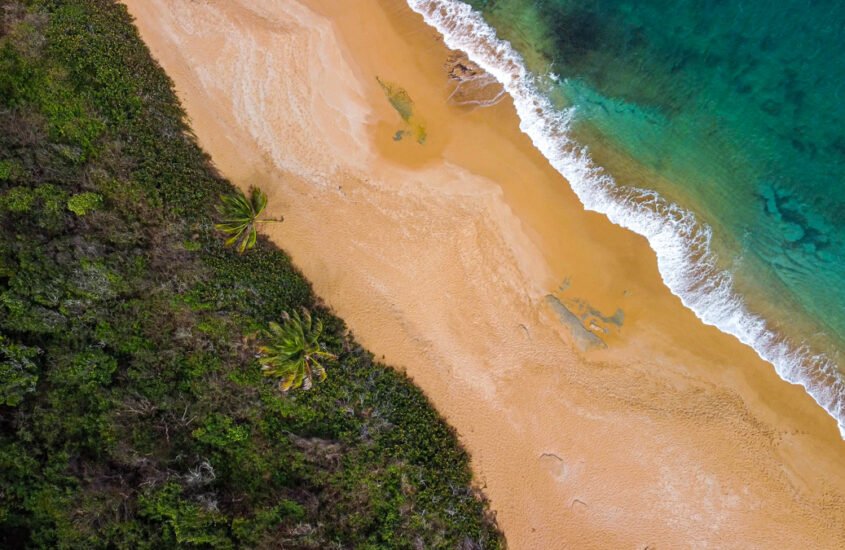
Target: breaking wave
x,y
685,258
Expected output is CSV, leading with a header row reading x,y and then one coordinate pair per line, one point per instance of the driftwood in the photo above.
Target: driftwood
x,y
474,87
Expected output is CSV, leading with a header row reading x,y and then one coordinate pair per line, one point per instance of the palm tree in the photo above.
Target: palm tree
x,y
240,217
293,352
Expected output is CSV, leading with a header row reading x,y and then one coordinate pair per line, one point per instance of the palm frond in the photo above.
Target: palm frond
x,y
239,216
292,351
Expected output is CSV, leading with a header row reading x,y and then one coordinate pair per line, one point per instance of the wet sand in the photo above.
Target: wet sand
x,y
468,262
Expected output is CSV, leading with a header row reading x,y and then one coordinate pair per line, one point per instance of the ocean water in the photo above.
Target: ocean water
x,y
716,129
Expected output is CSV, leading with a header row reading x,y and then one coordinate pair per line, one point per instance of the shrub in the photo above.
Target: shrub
x,y
84,203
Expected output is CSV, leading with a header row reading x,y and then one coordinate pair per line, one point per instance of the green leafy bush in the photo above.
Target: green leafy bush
x,y
8,170
18,372
18,200
84,203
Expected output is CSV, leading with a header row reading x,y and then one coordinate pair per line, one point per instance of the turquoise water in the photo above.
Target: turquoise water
x,y
732,111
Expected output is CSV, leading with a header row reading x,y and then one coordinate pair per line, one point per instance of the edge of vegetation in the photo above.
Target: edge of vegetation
x,y
133,410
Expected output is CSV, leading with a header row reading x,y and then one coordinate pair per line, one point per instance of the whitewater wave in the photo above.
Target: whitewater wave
x,y
685,259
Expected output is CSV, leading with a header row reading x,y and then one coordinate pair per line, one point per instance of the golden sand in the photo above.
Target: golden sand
x,y
458,259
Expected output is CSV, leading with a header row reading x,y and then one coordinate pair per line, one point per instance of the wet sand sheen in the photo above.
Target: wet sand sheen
x,y
442,256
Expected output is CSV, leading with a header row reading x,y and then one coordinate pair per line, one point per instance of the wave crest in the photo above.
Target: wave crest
x,y
685,259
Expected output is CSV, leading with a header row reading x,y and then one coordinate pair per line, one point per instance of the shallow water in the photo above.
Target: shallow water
x,y
732,112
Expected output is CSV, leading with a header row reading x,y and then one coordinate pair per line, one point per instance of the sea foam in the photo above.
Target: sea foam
x,y
685,258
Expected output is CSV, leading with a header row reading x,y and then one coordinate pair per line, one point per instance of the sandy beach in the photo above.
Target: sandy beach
x,y
599,412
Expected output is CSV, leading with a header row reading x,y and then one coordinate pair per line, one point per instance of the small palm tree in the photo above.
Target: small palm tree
x,y
293,352
240,216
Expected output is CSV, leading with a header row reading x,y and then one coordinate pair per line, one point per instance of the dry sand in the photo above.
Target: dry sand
x,y
442,258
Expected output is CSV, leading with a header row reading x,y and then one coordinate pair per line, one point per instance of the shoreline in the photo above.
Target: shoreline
x,y
719,304
687,264
441,257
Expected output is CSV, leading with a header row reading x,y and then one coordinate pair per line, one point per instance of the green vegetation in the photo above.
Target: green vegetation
x,y
240,217
401,101
293,352
133,410
84,203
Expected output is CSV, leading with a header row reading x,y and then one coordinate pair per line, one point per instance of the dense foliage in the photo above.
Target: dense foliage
x,y
133,412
